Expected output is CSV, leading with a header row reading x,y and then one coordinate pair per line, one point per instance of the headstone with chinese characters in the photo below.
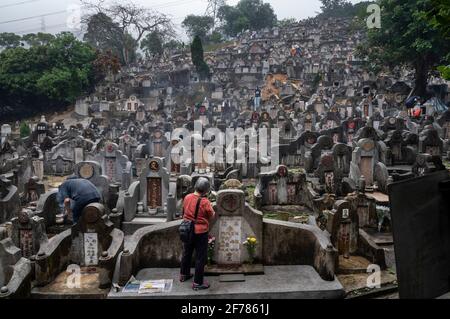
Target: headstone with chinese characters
x,y
28,233
116,166
235,222
154,186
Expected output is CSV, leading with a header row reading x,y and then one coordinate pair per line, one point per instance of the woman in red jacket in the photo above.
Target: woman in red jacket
x,y
199,242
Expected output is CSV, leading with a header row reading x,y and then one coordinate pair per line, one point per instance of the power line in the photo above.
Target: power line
x,y
34,17
17,4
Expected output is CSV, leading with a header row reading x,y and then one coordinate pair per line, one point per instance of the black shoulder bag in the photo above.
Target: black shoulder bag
x,y
187,227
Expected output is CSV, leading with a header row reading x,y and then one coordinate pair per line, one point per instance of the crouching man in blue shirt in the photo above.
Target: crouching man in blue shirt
x,y
76,193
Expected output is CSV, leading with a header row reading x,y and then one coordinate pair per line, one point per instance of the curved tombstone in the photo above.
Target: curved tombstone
x,y
399,152
92,171
426,164
47,208
329,176
15,271
324,145
28,233
93,244
430,142
367,162
342,155
115,165
34,188
9,200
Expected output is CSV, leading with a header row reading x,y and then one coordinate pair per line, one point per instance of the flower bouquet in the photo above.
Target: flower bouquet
x,y
251,244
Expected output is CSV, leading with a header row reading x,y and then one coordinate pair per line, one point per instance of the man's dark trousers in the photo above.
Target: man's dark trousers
x,y
200,245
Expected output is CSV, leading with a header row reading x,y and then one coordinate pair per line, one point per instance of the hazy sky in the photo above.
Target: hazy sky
x,y
53,14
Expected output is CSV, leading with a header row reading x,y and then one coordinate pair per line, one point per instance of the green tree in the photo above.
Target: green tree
x,y
24,129
152,44
198,25
121,27
35,39
440,19
9,40
406,39
197,56
174,45
104,34
247,14
46,76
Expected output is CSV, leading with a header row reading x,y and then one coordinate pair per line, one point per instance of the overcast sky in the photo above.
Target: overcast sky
x,y
29,16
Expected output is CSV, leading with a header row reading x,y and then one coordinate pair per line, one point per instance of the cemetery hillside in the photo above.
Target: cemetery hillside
x,y
298,157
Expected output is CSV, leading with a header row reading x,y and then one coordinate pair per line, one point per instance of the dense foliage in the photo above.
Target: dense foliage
x,y
198,26
197,55
439,14
247,15
46,75
406,38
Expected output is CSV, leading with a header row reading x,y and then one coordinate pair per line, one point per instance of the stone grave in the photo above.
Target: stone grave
x,y
28,233
15,272
148,200
9,200
92,171
91,246
115,165
234,223
356,250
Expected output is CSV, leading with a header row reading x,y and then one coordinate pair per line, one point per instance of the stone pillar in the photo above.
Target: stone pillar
x,y
171,207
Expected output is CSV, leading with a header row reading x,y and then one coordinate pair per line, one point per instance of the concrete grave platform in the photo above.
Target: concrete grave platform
x,y
59,289
278,282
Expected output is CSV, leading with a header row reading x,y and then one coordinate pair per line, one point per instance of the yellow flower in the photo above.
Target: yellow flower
x,y
253,240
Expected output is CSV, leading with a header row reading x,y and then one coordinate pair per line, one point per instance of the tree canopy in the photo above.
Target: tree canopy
x,y
343,9
120,27
9,40
152,44
198,26
246,15
406,38
197,56
42,76
439,14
